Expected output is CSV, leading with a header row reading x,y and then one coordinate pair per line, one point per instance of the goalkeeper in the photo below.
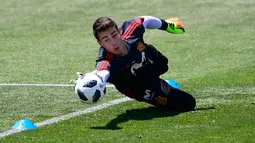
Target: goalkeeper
x,y
134,66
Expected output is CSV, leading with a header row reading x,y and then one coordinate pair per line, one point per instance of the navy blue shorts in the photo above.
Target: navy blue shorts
x,y
161,94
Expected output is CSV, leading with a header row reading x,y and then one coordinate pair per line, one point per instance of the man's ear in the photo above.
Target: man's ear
x,y
99,42
119,30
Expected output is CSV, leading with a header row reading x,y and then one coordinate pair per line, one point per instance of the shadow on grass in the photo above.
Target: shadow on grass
x,y
141,114
204,108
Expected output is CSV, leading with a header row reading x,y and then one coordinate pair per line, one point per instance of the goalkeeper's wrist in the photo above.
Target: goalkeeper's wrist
x,y
164,25
104,74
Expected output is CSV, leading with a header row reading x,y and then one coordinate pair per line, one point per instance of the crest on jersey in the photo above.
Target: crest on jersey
x,y
140,46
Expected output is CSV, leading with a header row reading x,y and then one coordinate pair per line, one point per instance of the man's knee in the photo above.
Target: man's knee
x,y
181,101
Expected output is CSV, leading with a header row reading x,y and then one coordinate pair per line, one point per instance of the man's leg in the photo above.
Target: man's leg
x,y
172,98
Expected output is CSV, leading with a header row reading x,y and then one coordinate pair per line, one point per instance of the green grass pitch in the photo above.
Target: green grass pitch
x,y
48,41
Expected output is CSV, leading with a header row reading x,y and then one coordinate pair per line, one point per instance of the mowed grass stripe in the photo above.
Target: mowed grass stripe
x,y
138,120
205,101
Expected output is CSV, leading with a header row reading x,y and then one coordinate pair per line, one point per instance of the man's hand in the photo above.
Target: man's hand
x,y
175,26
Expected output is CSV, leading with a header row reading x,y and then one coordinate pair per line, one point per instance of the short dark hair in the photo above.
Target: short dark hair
x,y
102,24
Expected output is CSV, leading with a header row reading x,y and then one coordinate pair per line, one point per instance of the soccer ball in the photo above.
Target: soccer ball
x,y
90,88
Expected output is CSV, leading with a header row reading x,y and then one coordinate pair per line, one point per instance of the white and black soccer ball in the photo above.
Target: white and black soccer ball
x,y
90,88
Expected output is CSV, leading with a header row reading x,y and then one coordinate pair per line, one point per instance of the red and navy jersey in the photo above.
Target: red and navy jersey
x,y
133,73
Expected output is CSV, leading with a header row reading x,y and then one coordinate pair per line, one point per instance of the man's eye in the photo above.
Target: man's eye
x,y
106,40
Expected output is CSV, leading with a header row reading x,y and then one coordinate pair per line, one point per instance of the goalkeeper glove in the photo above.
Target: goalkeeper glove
x,y
175,26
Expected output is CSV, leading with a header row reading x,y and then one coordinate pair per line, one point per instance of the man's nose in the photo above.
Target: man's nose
x,y
113,41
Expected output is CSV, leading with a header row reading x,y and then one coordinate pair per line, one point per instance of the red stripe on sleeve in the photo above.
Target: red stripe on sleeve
x,y
128,29
105,63
131,28
131,31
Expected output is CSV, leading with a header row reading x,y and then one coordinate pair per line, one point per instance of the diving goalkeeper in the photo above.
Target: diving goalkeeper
x,y
134,66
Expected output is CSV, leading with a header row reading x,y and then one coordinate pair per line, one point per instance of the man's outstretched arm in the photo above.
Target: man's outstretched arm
x,y
172,25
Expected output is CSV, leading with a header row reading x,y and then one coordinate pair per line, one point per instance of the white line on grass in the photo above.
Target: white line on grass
x,y
98,107
48,85
68,116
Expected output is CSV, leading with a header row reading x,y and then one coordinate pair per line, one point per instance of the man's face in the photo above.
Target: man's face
x,y
112,42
